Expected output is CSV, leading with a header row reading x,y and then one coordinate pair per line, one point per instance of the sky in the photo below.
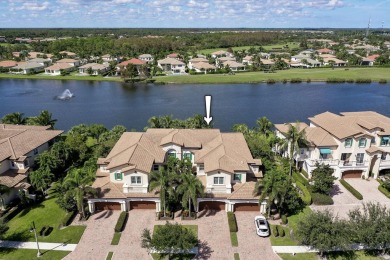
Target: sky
x,y
194,13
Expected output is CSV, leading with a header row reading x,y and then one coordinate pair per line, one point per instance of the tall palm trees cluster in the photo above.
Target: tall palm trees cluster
x,y
176,183
17,118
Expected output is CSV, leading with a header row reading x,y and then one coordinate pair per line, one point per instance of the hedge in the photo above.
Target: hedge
x,y
306,196
274,230
284,219
321,199
351,189
121,222
68,218
280,231
232,222
305,173
384,191
299,178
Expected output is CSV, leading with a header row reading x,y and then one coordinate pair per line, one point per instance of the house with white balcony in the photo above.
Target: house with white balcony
x,y
146,57
222,162
19,146
354,144
172,65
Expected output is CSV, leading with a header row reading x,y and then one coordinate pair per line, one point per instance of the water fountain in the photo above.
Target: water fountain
x,y
65,95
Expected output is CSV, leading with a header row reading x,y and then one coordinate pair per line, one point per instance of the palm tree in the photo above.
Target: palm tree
x,y
242,128
41,179
264,125
295,138
3,190
154,122
44,119
79,180
191,188
16,118
163,181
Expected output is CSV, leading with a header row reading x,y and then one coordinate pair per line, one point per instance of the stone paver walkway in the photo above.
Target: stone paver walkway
x,y
96,240
33,245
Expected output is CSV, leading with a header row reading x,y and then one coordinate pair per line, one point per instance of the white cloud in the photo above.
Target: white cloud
x,y
33,6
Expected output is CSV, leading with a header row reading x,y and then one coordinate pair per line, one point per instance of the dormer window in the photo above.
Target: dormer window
x,y
348,142
156,167
385,141
118,176
362,142
201,167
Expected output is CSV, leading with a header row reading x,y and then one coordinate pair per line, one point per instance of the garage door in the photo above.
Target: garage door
x,y
211,205
352,174
142,205
107,206
246,207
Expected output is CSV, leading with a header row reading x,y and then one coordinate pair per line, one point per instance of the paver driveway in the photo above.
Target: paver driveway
x,y
250,245
96,240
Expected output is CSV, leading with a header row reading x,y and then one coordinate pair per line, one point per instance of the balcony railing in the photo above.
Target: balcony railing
x,y
339,163
384,163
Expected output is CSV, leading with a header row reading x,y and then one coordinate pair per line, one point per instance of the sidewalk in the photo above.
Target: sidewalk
x,y
33,245
293,249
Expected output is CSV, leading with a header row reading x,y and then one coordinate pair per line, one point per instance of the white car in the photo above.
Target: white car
x,y
262,227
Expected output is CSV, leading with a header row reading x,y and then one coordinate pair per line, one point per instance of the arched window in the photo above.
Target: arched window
x,y
172,153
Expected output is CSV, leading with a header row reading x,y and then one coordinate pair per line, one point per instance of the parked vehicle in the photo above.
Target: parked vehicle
x,y
262,227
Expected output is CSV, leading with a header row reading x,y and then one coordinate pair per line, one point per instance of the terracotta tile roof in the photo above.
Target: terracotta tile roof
x,y
373,57
374,149
8,63
203,65
319,137
170,61
11,178
17,141
233,64
195,60
94,66
34,54
242,191
59,66
67,61
133,61
173,55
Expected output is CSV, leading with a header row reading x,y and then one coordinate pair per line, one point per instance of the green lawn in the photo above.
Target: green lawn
x,y
109,255
292,225
321,74
116,238
22,254
233,238
358,255
192,228
48,213
304,256
236,256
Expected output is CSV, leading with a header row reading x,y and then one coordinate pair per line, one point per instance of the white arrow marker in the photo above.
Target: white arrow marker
x,y
208,118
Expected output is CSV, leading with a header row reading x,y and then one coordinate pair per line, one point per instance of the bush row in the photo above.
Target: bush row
x,y
384,191
232,222
278,231
305,173
321,199
299,178
306,196
382,81
121,222
351,189
361,80
68,218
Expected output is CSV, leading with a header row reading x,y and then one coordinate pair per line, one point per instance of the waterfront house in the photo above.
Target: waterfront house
x,y
97,68
42,61
222,162
193,61
28,68
72,62
68,54
219,61
354,144
7,64
203,67
56,68
146,57
247,60
234,65
334,62
19,146
172,65
134,61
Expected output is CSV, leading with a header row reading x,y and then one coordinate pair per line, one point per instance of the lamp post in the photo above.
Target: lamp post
x,y
36,238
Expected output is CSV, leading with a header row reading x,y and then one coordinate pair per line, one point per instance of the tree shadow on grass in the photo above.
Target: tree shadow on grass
x,y
5,251
29,208
23,235
348,255
204,250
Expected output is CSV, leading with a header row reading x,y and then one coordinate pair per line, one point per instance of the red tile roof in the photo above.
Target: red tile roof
x,y
373,57
173,55
133,61
8,63
325,50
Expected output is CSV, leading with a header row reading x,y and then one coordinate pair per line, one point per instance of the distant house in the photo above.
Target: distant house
x,y
172,65
96,68
174,56
136,62
336,62
19,146
267,63
369,60
203,67
221,60
68,54
71,62
146,57
350,51
307,52
44,62
34,54
7,64
107,58
2,38
247,60
28,67
56,68
193,61
221,53
234,65
325,51
303,61
387,44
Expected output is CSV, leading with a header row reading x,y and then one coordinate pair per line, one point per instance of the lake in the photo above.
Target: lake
x,y
113,103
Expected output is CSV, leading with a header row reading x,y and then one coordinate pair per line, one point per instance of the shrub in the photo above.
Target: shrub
x,y
299,178
232,222
349,80
335,80
306,196
284,219
351,189
296,80
304,173
121,222
68,218
280,231
384,191
284,81
274,230
363,81
271,81
321,199
308,80
382,81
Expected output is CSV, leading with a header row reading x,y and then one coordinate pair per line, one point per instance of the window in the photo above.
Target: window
x,y
118,176
345,156
383,156
362,142
26,163
348,142
135,179
35,151
155,167
201,167
359,158
172,153
12,164
373,140
302,151
187,155
385,141
218,180
237,177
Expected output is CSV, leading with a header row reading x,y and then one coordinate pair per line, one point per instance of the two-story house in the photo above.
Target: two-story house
x,y
19,146
354,144
172,65
222,162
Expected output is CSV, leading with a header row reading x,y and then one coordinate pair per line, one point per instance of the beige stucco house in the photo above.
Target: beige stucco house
x,y
354,144
19,146
222,161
